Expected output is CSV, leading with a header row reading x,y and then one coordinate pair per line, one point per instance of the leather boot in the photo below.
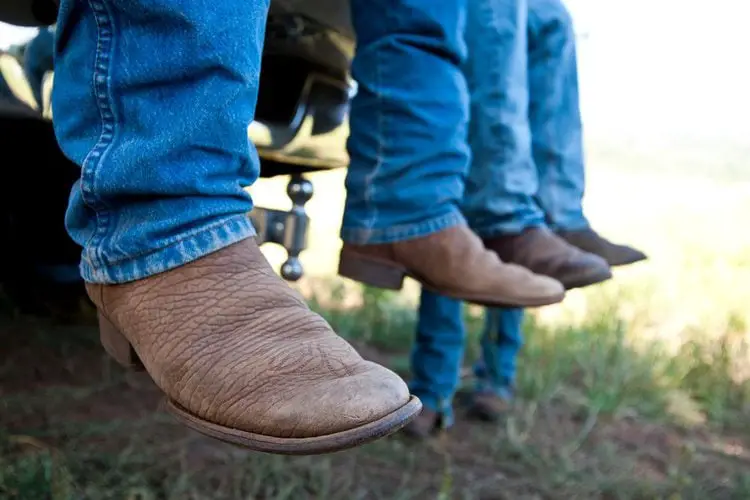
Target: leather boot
x,y
543,252
589,240
488,407
452,262
241,358
424,426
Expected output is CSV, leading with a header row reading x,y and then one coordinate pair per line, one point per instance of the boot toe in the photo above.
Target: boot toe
x,y
332,406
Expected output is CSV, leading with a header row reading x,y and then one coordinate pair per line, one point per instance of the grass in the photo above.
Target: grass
x,y
600,415
636,389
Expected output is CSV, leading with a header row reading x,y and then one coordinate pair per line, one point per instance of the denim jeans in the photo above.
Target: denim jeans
x,y
525,131
439,350
527,170
408,120
152,99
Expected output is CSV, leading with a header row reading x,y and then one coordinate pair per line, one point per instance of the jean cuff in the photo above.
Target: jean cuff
x,y
363,236
502,229
210,239
576,225
504,391
443,407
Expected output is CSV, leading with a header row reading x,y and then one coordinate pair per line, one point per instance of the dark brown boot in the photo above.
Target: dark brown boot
x,y
452,262
589,240
240,357
543,252
424,426
488,407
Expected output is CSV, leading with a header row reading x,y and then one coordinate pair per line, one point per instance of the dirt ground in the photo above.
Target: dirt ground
x,y
74,425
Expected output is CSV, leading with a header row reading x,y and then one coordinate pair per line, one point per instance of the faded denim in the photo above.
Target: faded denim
x,y
152,99
408,120
438,353
525,131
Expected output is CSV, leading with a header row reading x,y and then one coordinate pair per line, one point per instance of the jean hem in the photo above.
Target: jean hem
x,y
199,244
581,225
443,407
362,236
505,229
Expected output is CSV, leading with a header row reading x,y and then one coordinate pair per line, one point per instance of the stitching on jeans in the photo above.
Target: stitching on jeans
x,y
102,94
369,193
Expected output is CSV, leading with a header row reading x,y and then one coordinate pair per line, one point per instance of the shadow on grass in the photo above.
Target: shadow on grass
x,y
600,415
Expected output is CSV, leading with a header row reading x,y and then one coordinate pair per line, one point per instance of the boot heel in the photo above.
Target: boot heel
x,y
373,272
117,346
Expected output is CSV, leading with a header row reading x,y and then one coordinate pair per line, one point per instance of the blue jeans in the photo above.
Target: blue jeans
x,y
527,170
525,131
152,99
439,350
408,120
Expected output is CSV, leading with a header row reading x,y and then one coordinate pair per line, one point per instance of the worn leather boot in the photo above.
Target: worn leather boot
x,y
241,358
488,407
424,425
452,262
543,252
589,240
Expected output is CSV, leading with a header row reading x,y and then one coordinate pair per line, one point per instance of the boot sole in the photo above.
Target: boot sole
x,y
119,348
381,273
385,426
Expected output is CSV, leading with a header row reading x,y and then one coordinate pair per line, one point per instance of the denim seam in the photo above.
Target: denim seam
x,y
392,234
360,236
238,229
181,239
369,193
102,94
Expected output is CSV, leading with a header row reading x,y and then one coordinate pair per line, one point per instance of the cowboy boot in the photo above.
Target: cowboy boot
x,y
241,358
543,252
452,262
589,240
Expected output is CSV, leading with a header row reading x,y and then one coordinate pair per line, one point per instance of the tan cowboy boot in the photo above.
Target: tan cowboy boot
x,y
452,262
241,358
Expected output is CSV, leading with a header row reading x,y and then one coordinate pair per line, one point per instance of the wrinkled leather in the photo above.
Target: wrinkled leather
x,y
589,241
455,262
543,252
231,343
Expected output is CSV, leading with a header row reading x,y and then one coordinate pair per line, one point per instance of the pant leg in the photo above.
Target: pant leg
x,y
408,120
502,181
152,99
502,339
555,114
438,353
499,197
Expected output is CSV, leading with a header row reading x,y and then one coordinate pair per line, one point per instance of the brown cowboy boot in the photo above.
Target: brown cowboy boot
x,y
589,240
452,262
543,252
424,425
241,358
488,407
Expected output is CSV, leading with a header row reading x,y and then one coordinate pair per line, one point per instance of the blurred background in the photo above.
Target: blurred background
x,y
638,388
